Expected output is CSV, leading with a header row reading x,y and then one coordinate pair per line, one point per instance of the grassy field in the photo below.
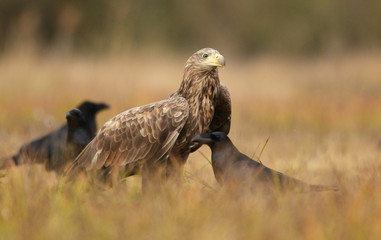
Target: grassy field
x,y
323,117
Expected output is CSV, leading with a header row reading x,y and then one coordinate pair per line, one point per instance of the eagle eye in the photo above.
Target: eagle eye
x,y
205,55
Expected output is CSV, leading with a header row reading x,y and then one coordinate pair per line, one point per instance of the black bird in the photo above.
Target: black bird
x,y
50,149
79,134
235,169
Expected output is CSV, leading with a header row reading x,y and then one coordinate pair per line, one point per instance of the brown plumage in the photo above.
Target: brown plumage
x,y
158,135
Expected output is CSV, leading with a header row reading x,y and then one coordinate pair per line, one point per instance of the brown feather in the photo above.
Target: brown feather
x,y
131,145
222,117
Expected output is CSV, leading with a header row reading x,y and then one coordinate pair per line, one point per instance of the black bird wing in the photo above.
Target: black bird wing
x,y
145,133
43,149
259,173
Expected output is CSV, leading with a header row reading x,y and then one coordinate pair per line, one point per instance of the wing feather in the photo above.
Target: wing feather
x,y
222,114
140,134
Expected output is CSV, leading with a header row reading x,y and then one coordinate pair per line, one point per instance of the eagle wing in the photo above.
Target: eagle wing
x,y
136,135
222,112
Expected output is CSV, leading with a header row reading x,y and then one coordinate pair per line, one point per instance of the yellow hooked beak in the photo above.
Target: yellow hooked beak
x,y
215,60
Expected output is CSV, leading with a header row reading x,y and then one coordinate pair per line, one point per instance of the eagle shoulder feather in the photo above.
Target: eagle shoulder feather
x,y
222,114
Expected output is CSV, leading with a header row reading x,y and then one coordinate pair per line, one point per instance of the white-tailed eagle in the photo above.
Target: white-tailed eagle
x,y
158,136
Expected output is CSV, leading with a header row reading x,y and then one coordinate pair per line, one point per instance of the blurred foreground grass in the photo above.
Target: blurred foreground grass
x,y
323,116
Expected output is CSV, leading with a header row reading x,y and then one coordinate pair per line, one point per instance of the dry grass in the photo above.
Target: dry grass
x,y
323,116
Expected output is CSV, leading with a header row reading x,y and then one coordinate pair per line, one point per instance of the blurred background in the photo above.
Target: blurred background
x,y
306,73
243,27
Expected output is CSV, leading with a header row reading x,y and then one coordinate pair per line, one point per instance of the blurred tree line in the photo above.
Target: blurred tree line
x,y
291,26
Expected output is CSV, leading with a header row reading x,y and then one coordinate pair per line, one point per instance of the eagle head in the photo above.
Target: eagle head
x,y
206,59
